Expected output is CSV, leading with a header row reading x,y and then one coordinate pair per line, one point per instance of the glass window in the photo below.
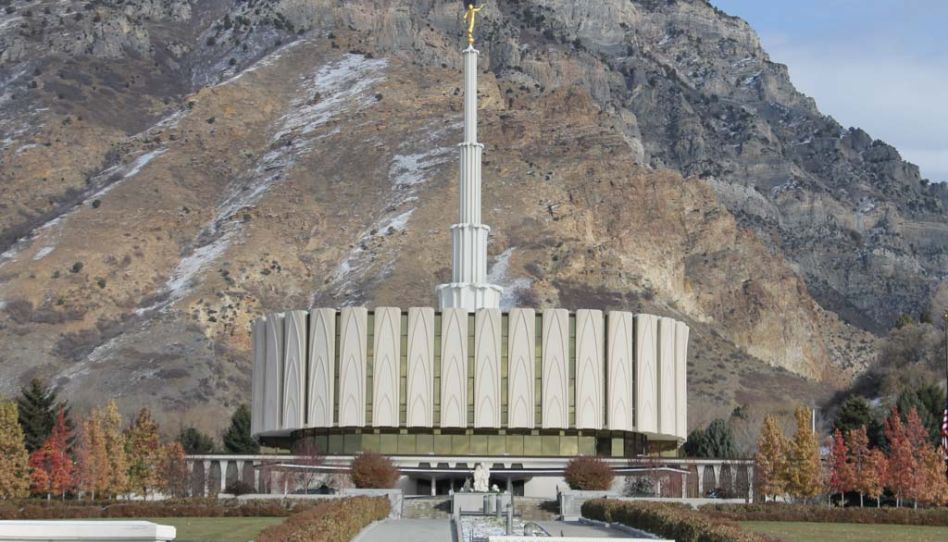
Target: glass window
x,y
352,443
372,443
389,444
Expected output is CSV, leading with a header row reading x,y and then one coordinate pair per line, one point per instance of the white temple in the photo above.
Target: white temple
x,y
522,390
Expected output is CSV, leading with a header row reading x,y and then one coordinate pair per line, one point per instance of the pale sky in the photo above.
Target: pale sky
x,y
880,65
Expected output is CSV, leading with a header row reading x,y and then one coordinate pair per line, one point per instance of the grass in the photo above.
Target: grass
x,y
216,529
791,531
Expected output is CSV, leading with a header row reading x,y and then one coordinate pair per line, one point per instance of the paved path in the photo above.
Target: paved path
x,y
583,530
408,530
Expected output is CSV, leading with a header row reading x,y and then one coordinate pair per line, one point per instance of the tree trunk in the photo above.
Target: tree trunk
x,y
860,500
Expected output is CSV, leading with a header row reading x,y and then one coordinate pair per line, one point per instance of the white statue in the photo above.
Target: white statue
x,y
481,478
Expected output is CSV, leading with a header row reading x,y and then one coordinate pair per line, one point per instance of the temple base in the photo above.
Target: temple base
x,y
459,295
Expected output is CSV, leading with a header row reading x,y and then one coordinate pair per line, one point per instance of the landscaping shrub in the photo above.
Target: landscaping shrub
x,y
41,509
672,521
589,473
337,520
373,471
826,514
239,488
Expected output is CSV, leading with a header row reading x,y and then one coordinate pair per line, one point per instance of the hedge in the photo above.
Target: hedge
x,y
39,509
827,514
673,521
337,520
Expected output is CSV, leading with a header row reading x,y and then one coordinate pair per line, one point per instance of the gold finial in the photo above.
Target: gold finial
x,y
469,16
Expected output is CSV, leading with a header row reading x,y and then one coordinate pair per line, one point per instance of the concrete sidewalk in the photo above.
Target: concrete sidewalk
x,y
581,530
408,530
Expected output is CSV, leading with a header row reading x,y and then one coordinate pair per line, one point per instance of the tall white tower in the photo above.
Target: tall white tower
x,y
468,288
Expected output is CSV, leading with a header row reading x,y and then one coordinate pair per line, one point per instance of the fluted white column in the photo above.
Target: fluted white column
x,y
468,288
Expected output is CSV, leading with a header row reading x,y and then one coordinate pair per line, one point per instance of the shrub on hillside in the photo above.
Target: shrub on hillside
x,y
373,471
673,521
589,473
337,520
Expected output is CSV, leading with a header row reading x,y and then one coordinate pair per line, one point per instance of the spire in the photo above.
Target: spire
x,y
468,288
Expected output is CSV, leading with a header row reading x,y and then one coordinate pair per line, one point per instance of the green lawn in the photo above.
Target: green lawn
x,y
791,531
216,529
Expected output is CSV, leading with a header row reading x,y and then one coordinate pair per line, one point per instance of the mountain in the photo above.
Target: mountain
x,y
173,169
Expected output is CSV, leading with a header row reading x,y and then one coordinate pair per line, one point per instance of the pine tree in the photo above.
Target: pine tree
x,y
841,472
237,439
901,459
876,475
117,481
804,470
770,469
14,459
857,441
195,442
144,453
38,406
51,464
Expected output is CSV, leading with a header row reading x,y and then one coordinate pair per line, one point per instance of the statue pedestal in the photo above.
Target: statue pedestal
x,y
479,503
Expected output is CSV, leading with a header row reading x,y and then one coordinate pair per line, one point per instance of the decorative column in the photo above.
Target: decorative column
x,y
240,470
207,478
223,465
700,480
468,288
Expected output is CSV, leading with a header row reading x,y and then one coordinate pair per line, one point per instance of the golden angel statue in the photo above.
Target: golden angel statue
x,y
470,12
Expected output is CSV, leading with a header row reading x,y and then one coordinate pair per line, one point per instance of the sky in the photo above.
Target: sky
x,y
880,65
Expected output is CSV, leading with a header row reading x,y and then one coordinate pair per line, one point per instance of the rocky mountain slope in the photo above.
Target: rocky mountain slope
x,y
170,170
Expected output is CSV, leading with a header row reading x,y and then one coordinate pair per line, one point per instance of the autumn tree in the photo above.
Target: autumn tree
x,y
51,464
917,436
92,460
237,438
14,459
874,480
173,471
770,459
804,470
841,471
934,489
117,481
901,459
144,453
857,442
38,406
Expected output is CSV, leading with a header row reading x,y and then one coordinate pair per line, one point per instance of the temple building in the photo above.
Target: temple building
x,y
442,389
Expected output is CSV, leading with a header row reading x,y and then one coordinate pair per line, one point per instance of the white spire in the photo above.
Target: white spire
x,y
468,288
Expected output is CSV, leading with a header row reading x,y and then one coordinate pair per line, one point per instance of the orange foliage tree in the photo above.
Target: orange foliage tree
x,y
804,470
173,472
117,481
14,461
841,471
874,480
901,458
770,460
144,453
857,441
51,465
92,460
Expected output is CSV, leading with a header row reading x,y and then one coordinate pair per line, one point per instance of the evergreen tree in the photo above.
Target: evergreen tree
x,y
804,470
715,442
928,401
14,459
770,461
195,442
117,481
854,413
38,406
51,464
144,453
237,439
